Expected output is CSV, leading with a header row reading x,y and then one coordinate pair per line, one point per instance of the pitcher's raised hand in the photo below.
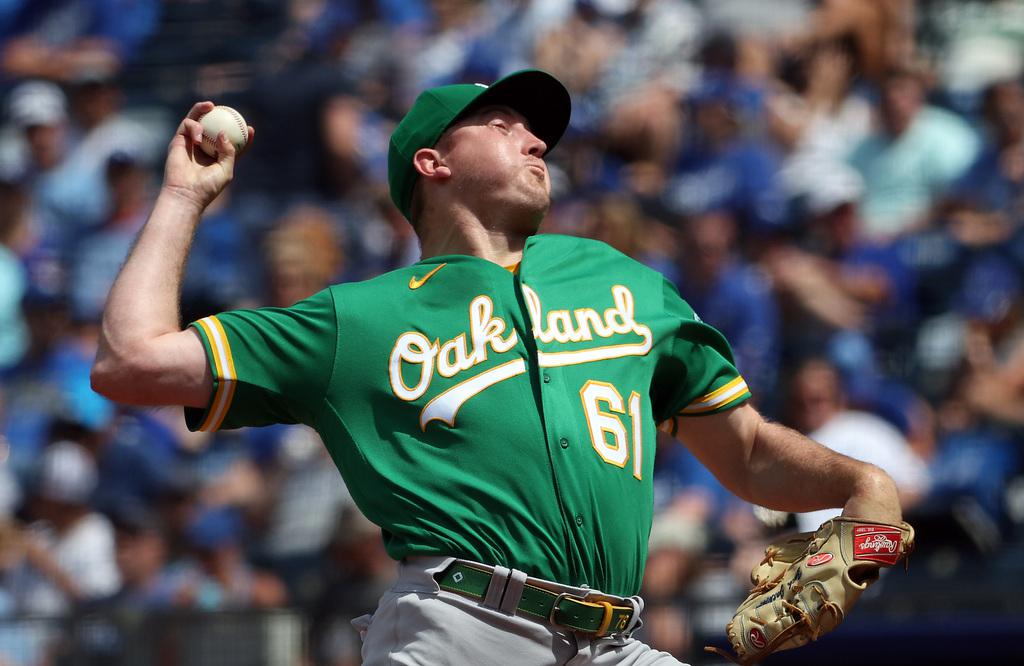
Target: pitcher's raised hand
x,y
191,173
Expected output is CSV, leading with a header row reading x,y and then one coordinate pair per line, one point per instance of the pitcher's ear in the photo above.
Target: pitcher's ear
x,y
429,164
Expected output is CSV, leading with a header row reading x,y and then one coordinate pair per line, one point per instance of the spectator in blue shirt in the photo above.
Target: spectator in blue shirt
x,y
732,296
849,294
996,178
218,576
720,168
98,256
50,382
61,39
223,269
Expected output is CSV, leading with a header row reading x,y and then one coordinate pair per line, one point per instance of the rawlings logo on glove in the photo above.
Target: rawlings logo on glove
x,y
806,584
879,543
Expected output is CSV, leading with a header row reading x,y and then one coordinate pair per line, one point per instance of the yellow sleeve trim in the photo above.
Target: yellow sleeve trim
x,y
224,371
718,398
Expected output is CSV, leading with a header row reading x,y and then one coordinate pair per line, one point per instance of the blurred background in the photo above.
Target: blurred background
x,y
837,185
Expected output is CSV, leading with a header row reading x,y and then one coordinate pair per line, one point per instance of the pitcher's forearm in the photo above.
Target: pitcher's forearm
x,y
143,303
788,468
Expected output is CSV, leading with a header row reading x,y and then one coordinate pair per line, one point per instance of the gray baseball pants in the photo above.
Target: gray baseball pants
x,y
417,623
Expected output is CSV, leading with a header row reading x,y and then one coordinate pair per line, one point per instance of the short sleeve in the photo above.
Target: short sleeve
x,y
696,374
270,365
955,143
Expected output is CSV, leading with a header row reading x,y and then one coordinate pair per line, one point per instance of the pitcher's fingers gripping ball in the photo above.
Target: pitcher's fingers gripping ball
x,y
807,582
227,120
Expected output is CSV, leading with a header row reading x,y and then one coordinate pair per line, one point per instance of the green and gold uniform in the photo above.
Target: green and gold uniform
x,y
506,417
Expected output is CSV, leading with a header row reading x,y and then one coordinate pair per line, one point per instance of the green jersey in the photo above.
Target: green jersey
x,y
504,417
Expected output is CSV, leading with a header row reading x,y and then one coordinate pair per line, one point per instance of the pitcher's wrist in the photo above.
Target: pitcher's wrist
x,y
183,197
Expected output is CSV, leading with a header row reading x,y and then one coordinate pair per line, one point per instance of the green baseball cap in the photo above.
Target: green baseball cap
x,y
540,97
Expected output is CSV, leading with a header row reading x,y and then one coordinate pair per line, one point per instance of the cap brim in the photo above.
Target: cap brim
x,y
540,97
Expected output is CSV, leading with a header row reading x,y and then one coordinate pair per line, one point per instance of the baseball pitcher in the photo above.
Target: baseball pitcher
x,y
493,407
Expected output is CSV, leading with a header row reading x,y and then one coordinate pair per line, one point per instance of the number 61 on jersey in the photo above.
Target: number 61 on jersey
x,y
615,450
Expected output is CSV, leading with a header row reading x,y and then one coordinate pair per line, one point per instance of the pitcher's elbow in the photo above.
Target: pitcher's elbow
x,y
110,377
101,378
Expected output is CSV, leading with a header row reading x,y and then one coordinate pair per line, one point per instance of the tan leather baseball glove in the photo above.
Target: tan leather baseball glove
x,y
808,582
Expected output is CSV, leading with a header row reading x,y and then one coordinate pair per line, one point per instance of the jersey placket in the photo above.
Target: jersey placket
x,y
559,433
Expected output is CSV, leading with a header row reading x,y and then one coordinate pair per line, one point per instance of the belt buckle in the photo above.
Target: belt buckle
x,y
602,629
554,606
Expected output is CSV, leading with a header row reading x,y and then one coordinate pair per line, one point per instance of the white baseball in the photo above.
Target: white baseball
x,y
227,120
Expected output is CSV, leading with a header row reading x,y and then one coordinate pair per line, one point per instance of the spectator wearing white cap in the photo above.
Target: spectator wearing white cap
x,y
38,112
100,130
847,293
69,549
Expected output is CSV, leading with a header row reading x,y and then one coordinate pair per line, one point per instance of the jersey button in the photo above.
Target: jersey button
x,y
547,378
564,443
579,519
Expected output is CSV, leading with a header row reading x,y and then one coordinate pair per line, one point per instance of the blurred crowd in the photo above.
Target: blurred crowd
x,y
837,185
